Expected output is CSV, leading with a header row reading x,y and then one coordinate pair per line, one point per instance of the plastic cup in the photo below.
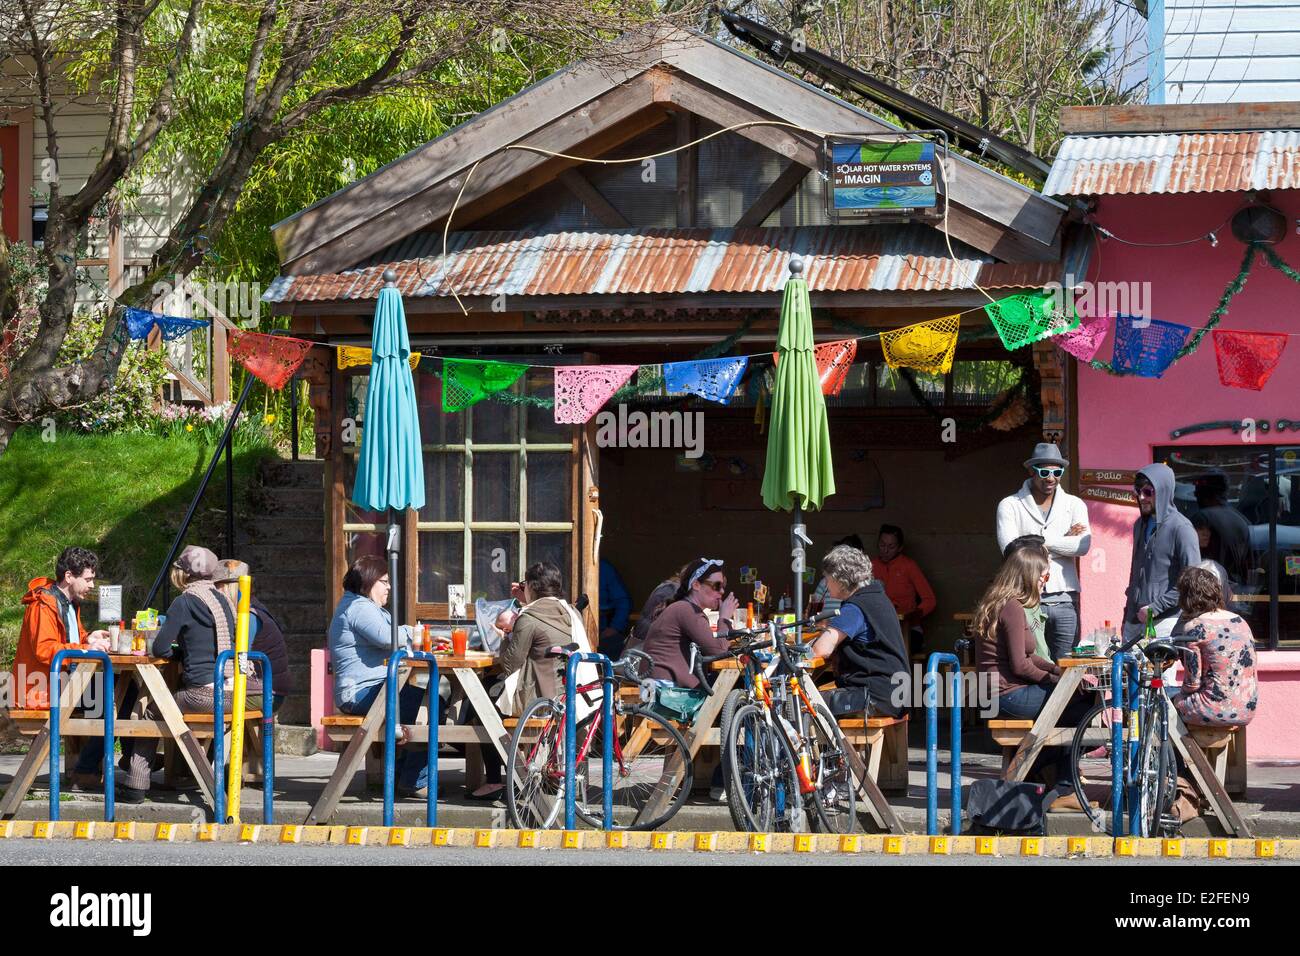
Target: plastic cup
x,y
459,641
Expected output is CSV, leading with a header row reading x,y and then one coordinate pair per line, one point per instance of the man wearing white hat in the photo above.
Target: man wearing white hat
x,y
1042,507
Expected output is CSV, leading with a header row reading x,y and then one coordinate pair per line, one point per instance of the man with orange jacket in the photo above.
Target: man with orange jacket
x,y
52,622
905,585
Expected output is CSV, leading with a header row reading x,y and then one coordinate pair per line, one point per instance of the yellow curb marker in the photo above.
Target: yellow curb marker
x,y
209,832
706,841
84,830
357,836
894,844
6,827
661,841
442,837
939,845
484,837
165,832
1219,849
1265,848
124,831
986,846
1031,846
527,838
1077,846
290,833
1125,846
42,830
1171,847
248,833
572,840
616,840
804,843
850,844
399,836
760,842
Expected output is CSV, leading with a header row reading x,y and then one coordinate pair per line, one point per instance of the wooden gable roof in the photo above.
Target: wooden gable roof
x,y
592,107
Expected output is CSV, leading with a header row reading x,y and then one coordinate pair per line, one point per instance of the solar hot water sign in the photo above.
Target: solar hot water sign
x,y
897,178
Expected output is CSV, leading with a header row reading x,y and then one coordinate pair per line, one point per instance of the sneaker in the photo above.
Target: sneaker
x,y
128,795
413,793
717,794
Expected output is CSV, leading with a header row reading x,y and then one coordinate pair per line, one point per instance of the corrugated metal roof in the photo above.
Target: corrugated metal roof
x,y
1175,163
668,261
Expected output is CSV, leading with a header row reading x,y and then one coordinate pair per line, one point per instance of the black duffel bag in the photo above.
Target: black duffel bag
x,y
1007,807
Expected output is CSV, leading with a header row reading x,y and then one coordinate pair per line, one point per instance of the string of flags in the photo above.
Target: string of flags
x,y
1143,347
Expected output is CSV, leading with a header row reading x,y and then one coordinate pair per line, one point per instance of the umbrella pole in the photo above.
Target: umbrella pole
x,y
394,545
798,574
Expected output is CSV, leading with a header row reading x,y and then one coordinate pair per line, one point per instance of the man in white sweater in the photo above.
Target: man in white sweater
x,y
1043,507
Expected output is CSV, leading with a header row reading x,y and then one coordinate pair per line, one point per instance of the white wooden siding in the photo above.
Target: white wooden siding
x,y
1228,51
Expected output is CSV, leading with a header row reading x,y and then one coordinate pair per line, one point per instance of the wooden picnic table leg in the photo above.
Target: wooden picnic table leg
x,y
1203,774
696,736
195,757
38,754
476,696
351,758
877,805
1044,724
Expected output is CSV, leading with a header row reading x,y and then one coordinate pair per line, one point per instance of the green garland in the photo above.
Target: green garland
x,y
971,424
1236,285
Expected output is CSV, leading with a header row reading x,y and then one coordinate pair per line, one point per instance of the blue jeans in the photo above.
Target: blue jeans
x,y
412,769
1062,631
1024,703
92,749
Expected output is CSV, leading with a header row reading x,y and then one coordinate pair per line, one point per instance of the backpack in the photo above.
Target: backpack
x,y
1008,807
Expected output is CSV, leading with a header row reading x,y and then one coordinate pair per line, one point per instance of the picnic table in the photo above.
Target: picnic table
x,y
469,698
147,674
1046,732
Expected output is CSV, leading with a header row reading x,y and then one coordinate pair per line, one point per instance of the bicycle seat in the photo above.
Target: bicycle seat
x,y
562,651
1165,650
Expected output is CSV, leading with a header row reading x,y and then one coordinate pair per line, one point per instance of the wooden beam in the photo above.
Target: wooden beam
x,y
1180,117
687,168
591,197
774,196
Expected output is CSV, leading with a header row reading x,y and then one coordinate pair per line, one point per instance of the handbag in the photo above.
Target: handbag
x,y
679,703
1008,807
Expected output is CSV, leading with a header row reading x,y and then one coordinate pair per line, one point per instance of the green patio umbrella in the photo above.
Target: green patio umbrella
x,y
798,473
390,468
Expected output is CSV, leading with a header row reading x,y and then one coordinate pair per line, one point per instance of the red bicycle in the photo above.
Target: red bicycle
x,y
652,772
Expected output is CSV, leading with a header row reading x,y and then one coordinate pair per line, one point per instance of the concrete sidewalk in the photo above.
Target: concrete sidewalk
x,y
1271,808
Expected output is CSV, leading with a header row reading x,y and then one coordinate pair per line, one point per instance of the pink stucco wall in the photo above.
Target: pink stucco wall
x,y
1121,419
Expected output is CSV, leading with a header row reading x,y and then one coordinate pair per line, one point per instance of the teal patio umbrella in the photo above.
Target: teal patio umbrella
x,y
798,473
390,468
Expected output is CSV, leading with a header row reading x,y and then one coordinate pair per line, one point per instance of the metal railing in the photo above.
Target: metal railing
x,y
390,734
109,698
571,735
931,692
219,736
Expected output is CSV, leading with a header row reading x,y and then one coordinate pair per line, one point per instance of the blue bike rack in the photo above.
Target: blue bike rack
x,y
571,735
390,734
932,742
219,736
110,707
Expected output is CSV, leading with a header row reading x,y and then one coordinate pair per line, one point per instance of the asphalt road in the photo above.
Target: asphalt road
x,y
95,853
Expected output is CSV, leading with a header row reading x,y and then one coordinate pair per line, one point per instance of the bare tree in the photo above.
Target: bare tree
x,y
130,56
1007,65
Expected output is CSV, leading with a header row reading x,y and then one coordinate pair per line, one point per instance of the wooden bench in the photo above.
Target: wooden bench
x,y
1008,734
884,740
1225,748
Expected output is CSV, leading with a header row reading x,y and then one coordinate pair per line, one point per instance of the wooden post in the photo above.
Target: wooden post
x,y
220,388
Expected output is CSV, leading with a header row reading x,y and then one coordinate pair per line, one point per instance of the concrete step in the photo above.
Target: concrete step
x,y
285,473
293,558
293,501
285,529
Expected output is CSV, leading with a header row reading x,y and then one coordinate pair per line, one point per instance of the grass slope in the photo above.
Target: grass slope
x,y
121,495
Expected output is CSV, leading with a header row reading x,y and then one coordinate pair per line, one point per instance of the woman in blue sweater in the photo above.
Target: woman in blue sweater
x,y
360,638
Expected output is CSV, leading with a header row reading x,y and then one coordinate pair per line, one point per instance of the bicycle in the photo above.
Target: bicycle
x,y
650,756
784,757
1149,770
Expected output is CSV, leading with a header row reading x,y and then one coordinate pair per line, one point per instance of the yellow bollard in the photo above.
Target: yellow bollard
x,y
238,700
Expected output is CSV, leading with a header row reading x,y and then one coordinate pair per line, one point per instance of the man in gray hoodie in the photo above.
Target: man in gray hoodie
x,y
1164,543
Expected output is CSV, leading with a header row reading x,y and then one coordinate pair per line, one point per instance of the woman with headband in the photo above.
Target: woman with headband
x,y
683,622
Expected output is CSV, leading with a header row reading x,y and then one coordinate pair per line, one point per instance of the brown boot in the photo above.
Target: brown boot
x,y
89,782
1069,803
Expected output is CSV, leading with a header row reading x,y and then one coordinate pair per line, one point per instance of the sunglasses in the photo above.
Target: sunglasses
x,y
1146,491
718,586
1049,472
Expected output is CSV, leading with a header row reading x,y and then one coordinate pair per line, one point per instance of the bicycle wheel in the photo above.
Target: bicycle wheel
x,y
835,798
1090,756
535,787
1158,776
652,773
794,808
755,770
